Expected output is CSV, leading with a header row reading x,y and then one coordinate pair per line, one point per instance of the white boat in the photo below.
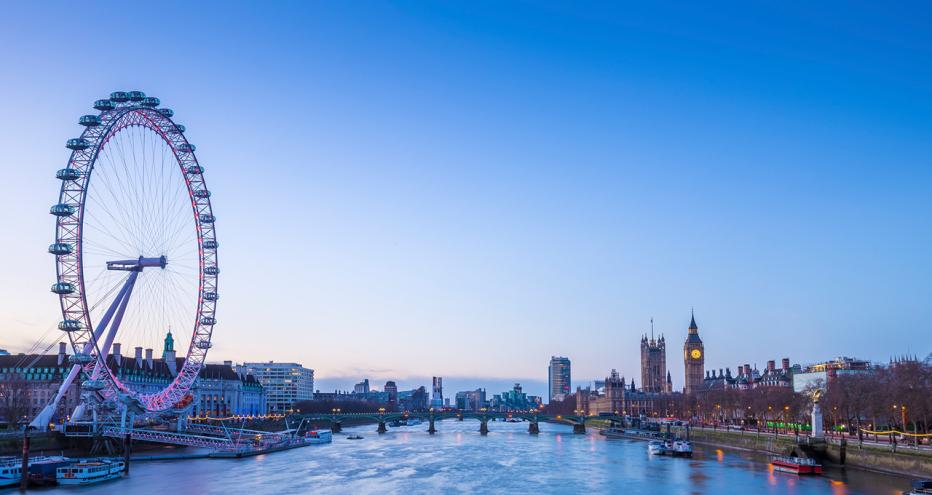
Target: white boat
x,y
11,471
314,437
656,447
682,448
11,467
91,471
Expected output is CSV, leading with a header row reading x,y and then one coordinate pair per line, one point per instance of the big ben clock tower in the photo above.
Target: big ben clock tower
x,y
693,357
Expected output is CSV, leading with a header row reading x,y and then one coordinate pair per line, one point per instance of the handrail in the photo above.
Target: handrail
x,y
889,432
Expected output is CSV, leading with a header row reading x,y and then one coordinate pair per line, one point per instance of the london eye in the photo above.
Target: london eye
x,y
135,251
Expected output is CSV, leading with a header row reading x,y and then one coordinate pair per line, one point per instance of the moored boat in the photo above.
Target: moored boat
x,y
797,465
43,470
89,471
920,487
656,447
10,471
314,437
682,448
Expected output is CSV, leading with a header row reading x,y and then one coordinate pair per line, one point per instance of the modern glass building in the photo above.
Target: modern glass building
x,y
558,378
284,383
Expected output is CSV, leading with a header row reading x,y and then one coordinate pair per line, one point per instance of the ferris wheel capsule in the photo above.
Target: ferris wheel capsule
x,y
195,170
68,173
81,358
94,385
104,105
211,244
77,144
186,148
89,120
62,288
208,320
136,95
62,210
211,270
150,101
119,97
70,325
201,193
168,112
207,218
60,249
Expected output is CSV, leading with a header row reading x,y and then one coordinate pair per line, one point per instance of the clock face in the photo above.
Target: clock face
x,y
696,354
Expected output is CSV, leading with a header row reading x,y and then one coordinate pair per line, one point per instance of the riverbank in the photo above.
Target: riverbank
x,y
871,458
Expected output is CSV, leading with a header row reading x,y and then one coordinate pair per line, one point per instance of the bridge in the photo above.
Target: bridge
x,y
207,436
336,419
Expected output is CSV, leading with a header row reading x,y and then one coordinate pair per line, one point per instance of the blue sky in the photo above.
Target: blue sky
x,y
465,189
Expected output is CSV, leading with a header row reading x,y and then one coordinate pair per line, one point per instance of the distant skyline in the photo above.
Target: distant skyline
x,y
466,189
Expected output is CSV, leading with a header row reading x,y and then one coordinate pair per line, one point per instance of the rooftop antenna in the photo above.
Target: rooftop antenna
x,y
652,328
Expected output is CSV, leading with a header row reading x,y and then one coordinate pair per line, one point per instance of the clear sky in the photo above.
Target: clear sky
x,y
466,188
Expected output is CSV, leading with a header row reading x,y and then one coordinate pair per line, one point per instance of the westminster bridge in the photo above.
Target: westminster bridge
x,y
336,418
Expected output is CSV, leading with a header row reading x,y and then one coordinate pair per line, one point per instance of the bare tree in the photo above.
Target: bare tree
x,y
14,398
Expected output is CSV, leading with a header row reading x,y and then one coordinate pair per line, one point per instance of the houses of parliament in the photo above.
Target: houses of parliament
x,y
656,395
654,375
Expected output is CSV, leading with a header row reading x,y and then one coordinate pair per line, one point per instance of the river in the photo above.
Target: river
x,y
460,460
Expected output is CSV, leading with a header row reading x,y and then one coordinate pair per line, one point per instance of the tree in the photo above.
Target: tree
x,y
14,398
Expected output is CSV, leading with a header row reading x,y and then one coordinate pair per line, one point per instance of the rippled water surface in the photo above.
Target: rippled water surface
x,y
459,460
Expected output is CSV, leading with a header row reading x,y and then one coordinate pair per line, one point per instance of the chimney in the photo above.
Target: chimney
x,y
771,366
740,370
115,352
786,364
747,370
228,364
149,358
62,348
139,357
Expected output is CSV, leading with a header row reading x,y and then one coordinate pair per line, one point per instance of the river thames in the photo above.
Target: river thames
x,y
509,460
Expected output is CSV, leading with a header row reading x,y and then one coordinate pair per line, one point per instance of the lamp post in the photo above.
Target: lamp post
x,y
770,414
786,410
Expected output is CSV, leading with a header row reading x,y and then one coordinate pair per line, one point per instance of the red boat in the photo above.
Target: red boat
x,y
797,465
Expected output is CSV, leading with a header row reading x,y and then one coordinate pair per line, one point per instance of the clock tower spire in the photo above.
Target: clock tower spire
x,y
693,357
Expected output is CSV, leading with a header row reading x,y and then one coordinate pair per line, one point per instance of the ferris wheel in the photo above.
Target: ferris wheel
x,y
135,249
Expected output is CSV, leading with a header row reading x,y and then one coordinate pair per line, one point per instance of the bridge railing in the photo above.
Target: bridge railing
x,y
170,437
